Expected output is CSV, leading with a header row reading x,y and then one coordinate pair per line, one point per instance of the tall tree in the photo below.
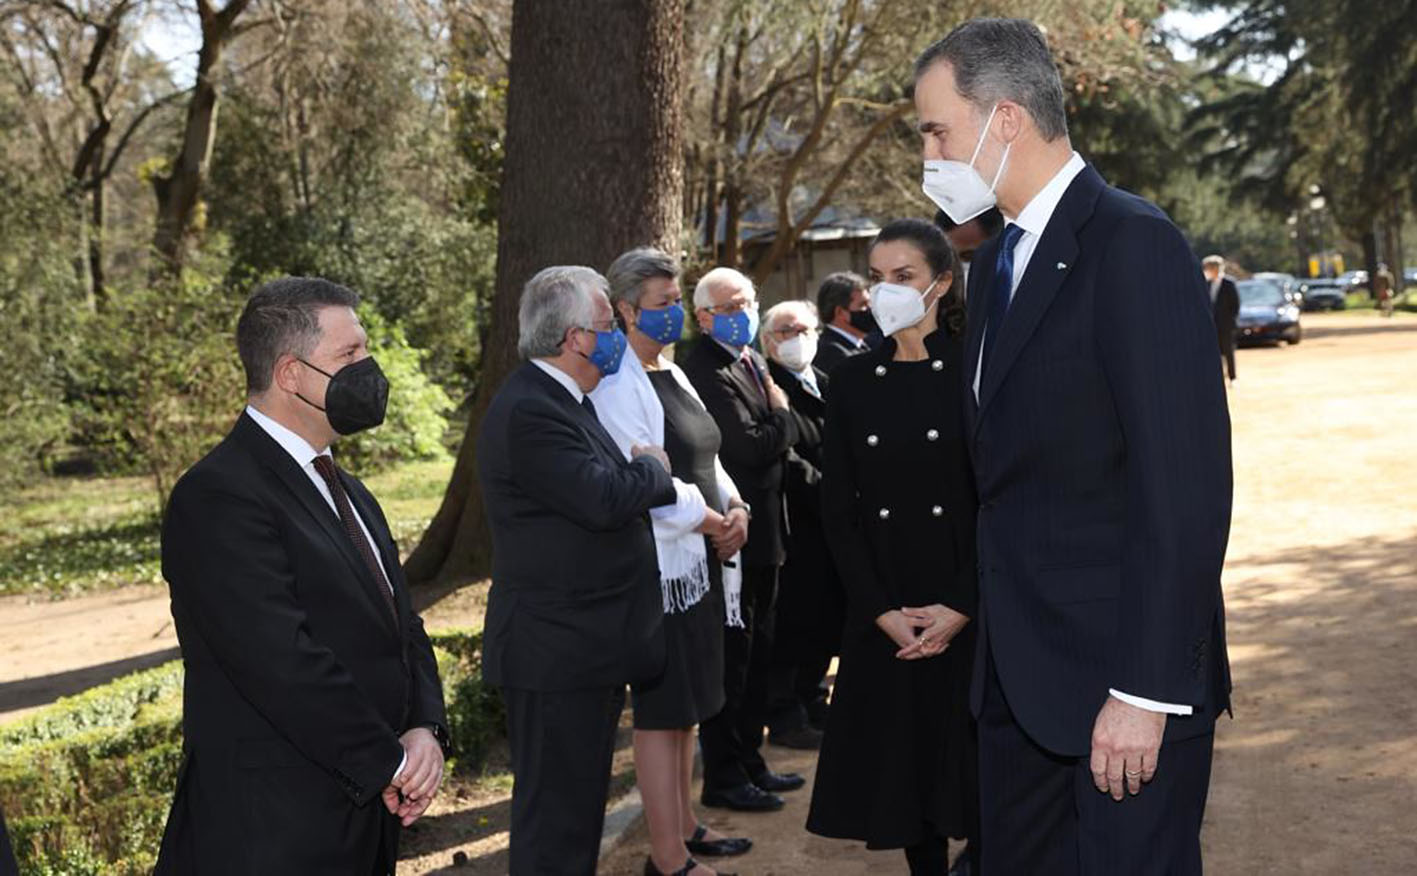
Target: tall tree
x,y
177,190
593,166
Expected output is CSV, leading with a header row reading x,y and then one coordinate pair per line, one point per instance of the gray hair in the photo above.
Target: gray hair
x,y
1213,261
996,59
703,292
555,301
804,310
283,317
628,273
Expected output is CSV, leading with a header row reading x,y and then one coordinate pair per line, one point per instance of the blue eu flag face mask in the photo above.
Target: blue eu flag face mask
x,y
664,325
609,351
736,329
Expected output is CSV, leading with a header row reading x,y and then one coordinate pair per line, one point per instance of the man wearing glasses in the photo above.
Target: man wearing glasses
x,y
757,429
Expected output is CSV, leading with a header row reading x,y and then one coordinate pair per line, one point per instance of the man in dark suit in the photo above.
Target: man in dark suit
x,y
575,611
1100,442
844,306
969,236
757,429
1224,306
811,609
312,712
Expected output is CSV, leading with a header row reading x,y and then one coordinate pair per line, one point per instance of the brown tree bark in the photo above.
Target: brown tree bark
x,y
177,191
594,166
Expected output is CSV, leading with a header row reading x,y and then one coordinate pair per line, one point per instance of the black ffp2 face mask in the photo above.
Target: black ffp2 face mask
x,y
863,321
356,398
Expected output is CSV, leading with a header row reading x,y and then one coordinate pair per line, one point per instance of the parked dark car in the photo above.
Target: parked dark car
x,y
1266,315
1355,279
1409,277
1288,282
1324,294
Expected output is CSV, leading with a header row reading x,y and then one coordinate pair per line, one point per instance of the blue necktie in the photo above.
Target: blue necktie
x,y
1002,292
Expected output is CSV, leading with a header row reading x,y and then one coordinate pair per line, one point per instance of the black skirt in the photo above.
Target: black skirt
x,y
691,688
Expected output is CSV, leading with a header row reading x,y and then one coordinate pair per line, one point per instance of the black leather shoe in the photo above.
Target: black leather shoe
x,y
720,848
744,798
774,782
800,738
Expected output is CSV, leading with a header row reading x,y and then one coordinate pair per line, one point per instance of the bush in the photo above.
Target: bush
x,y
87,783
416,420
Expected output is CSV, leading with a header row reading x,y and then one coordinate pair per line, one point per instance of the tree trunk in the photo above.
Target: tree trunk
x,y
177,192
594,165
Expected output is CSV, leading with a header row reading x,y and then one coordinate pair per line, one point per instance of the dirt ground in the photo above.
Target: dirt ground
x,y
1316,774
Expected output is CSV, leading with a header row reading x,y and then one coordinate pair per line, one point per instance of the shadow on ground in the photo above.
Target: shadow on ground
x,y
1323,748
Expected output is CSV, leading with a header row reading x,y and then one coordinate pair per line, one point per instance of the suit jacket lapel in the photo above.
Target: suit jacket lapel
x,y
981,276
577,412
277,460
1049,266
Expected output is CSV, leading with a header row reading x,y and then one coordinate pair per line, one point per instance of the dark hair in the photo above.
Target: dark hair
x,y
996,59
835,293
991,222
283,316
939,255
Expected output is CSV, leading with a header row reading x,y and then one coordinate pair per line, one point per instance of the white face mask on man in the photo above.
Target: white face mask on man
x,y
957,188
896,307
797,352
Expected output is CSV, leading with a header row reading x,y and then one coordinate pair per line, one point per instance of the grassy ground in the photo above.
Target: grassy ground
x,y
1362,301
66,536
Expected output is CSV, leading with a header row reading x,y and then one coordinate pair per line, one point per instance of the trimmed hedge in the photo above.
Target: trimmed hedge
x,y
86,784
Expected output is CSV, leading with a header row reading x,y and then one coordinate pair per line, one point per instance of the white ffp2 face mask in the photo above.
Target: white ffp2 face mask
x,y
957,188
796,353
896,307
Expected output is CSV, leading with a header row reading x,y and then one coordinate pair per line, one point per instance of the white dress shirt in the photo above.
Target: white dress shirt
x,y
1033,220
562,378
304,456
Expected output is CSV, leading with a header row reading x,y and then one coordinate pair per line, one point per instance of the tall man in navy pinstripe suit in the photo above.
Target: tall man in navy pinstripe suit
x,y
1101,446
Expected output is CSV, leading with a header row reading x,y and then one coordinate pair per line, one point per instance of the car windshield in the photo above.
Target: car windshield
x,y
1259,292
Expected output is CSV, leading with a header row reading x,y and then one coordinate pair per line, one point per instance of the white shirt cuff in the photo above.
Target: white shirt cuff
x,y
1151,705
403,763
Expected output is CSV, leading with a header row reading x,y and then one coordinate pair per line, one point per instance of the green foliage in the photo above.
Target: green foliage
x,y
416,420
86,784
160,378
476,714
42,308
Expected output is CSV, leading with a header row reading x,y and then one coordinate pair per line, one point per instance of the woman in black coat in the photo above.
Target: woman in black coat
x,y
897,766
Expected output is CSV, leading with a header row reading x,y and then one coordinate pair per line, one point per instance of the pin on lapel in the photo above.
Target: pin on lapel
x,y
1062,266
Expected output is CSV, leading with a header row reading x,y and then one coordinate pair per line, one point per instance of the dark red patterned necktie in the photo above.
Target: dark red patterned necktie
x,y
326,467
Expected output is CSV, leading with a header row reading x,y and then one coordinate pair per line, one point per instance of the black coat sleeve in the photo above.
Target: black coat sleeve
x,y
228,569
841,515
552,463
1157,349
748,442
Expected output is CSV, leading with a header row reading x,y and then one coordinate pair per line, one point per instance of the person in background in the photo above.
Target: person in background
x,y
968,236
811,604
1224,307
1383,286
312,714
650,401
897,767
756,430
1099,434
846,319
575,612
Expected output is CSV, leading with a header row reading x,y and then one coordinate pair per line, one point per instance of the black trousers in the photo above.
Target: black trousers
x,y
562,743
1227,352
732,740
1041,812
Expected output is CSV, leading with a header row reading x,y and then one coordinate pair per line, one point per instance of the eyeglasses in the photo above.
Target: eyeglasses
x,y
606,325
732,307
784,334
